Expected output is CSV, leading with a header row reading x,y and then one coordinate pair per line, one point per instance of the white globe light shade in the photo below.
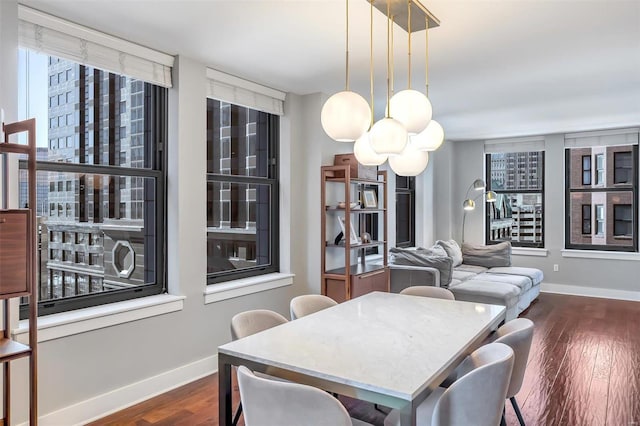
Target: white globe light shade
x,y
411,162
412,109
388,137
365,154
430,139
345,116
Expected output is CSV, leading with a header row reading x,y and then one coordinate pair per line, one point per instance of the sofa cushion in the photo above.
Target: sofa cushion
x,y
536,275
488,256
471,268
453,250
462,275
423,257
523,282
494,293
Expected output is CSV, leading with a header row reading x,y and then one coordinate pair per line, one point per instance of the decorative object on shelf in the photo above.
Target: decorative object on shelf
x,y
338,238
470,203
353,237
353,205
345,116
369,199
365,237
356,169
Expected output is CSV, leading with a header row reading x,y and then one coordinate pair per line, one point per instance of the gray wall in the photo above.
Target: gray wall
x,y
467,163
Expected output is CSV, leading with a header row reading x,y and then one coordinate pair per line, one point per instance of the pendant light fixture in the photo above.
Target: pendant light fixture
x,y
411,162
345,115
362,150
411,107
432,137
388,135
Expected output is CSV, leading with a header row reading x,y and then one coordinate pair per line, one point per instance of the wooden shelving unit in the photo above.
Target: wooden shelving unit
x,y
351,279
18,276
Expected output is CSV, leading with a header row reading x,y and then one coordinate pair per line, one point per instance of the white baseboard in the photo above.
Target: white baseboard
x,y
576,290
118,399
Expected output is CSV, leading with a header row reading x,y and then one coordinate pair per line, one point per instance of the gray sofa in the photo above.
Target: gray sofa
x,y
473,273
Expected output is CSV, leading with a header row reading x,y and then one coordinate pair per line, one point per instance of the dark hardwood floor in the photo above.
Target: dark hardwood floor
x,y
584,369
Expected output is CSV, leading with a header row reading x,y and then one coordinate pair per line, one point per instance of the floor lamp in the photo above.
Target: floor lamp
x,y
470,203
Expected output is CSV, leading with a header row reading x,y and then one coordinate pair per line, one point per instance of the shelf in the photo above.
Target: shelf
x,y
359,211
356,181
10,350
356,269
357,246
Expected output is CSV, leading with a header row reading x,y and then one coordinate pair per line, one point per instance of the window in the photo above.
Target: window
x,y
242,195
623,220
602,216
599,169
84,195
405,211
517,215
586,219
586,170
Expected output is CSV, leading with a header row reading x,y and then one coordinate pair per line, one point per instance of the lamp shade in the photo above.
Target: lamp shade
x,y
430,138
411,162
412,109
345,116
388,137
469,204
478,184
365,154
490,197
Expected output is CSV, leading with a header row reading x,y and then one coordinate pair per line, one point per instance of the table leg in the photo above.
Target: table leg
x,y
408,415
224,391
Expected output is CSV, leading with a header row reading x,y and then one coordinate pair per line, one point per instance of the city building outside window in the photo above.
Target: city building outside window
x,y
98,243
613,197
517,216
242,192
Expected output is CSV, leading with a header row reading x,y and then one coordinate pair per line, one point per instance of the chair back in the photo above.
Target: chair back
x,y
309,303
517,334
429,291
271,403
251,322
477,398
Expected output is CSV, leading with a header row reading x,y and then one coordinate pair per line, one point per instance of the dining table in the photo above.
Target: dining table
x,y
384,348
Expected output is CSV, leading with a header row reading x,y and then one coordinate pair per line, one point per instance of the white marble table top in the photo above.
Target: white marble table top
x,y
390,344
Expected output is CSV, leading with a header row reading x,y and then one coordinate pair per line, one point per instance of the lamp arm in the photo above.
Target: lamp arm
x,y
464,217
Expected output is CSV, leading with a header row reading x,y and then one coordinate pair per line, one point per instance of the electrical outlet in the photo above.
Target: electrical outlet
x,y
555,268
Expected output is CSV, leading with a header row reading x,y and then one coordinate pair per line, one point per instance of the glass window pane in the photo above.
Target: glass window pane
x,y
516,217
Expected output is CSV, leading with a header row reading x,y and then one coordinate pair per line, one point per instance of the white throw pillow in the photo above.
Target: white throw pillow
x,y
453,251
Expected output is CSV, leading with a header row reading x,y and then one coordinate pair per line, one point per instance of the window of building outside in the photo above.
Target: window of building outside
x,y
611,200
517,215
100,213
405,211
586,170
242,192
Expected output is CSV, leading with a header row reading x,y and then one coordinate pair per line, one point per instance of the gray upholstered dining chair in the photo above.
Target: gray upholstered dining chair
x,y
429,291
309,303
517,334
476,398
274,403
251,322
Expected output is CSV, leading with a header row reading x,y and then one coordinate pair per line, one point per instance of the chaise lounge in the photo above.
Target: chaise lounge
x,y
473,273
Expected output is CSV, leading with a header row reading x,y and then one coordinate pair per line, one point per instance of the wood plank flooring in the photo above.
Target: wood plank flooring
x,y
584,369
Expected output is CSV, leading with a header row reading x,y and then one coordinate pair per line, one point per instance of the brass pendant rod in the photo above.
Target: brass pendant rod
x,y
371,61
388,60
393,59
346,84
409,37
426,58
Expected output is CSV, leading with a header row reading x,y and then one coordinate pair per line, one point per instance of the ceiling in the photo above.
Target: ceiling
x,y
496,68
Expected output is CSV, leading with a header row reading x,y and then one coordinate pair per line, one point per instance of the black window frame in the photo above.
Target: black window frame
x,y
586,171
626,221
631,187
272,180
155,135
487,221
616,168
586,219
406,187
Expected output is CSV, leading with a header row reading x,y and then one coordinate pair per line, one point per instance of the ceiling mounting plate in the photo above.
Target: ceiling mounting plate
x,y
400,14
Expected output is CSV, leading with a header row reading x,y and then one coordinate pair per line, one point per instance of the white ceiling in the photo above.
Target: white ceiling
x,y
496,68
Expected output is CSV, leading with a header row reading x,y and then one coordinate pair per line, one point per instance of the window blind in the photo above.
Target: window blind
x,y
602,138
57,37
496,146
235,90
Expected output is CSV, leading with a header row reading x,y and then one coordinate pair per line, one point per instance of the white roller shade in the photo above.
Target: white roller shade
x,y
496,146
235,90
601,138
57,37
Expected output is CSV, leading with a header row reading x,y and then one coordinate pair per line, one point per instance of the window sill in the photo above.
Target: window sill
x,y
245,286
595,254
64,324
527,251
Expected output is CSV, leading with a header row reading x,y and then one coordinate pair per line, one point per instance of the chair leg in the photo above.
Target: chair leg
x,y
517,410
236,418
503,422
377,408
